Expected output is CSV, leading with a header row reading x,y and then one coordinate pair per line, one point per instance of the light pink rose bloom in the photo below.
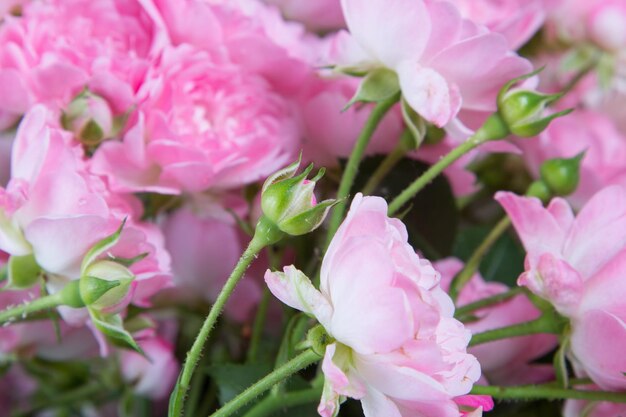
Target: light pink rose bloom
x,y
398,348
318,15
205,244
54,209
602,22
506,361
104,45
201,124
423,42
516,20
590,132
154,374
578,264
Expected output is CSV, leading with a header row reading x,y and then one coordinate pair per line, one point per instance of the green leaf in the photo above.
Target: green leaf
x,y
111,326
378,85
23,271
100,247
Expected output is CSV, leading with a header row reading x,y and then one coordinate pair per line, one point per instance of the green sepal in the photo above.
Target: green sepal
x,y
100,247
22,272
128,262
378,85
93,289
415,123
91,134
111,326
309,220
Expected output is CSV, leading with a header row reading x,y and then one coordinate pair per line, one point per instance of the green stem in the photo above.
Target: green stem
x,y
489,301
352,167
435,170
473,263
547,392
548,323
265,234
259,324
387,164
274,403
22,310
306,358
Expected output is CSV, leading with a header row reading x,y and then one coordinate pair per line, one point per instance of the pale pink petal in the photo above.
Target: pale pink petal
x,y
390,30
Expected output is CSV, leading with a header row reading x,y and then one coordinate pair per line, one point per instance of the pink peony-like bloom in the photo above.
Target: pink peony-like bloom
x,y
201,124
516,20
205,244
506,361
397,347
423,42
590,132
154,374
578,264
55,210
104,45
318,15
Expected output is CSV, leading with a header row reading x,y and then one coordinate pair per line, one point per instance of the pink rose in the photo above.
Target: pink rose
x,y
154,374
423,42
201,124
506,361
578,264
398,348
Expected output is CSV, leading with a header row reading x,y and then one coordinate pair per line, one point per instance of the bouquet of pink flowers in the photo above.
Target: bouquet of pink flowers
x,y
167,248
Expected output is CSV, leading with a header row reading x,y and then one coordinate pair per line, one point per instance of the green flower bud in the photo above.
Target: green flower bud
x,y
90,118
288,201
540,190
562,175
106,286
23,272
523,111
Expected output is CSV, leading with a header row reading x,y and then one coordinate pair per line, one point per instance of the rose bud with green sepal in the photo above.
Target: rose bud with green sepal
x,y
523,111
288,201
562,175
90,117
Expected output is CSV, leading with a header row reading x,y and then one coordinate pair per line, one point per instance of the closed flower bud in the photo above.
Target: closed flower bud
x,y
540,190
288,201
524,111
106,286
90,118
562,175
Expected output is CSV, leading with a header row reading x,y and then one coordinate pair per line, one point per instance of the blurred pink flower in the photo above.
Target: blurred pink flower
x,y
423,42
398,348
516,20
205,244
154,374
320,15
578,264
590,132
602,22
506,361
576,408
